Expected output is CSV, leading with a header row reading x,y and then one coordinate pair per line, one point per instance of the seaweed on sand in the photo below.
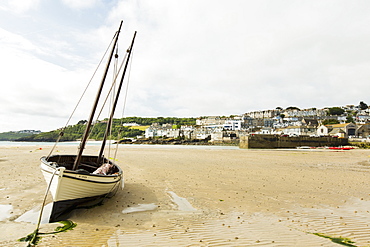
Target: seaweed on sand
x,y
34,238
338,240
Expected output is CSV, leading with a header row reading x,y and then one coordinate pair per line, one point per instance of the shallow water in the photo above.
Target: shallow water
x,y
182,203
14,144
140,208
32,216
5,211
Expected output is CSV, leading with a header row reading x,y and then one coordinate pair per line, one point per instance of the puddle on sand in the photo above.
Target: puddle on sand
x,y
32,216
5,211
181,202
140,208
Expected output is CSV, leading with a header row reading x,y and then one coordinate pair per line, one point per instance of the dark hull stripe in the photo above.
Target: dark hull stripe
x,y
62,209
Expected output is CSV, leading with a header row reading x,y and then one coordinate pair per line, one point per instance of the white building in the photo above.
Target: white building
x,y
233,124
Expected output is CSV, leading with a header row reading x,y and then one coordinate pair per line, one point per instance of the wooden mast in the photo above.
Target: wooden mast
x,y
88,125
107,130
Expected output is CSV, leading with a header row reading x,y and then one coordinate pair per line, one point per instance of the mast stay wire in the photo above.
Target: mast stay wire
x,y
61,133
113,93
109,92
124,103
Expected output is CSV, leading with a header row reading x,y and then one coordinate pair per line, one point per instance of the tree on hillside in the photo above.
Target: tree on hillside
x,y
363,106
293,108
82,122
350,119
330,121
336,111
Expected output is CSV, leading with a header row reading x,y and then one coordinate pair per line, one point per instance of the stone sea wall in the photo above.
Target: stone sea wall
x,y
275,141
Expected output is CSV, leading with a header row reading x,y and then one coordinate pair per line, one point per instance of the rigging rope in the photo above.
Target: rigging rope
x,y
111,88
83,94
112,96
109,92
124,104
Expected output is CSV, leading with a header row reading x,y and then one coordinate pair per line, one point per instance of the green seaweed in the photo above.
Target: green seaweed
x,y
338,240
34,238
67,225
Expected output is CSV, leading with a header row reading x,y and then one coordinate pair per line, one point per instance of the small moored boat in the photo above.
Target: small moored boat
x,y
71,189
341,148
84,180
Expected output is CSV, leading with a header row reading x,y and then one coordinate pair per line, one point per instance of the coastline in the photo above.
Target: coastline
x,y
195,143
204,197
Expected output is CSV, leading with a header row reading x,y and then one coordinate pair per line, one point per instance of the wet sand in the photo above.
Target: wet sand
x,y
203,197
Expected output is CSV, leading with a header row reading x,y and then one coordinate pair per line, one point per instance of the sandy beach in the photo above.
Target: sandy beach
x,y
203,197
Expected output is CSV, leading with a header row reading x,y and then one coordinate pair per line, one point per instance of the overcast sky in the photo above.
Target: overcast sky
x,y
191,58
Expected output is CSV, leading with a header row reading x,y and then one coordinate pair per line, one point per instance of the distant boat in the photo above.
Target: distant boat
x,y
341,148
80,180
304,147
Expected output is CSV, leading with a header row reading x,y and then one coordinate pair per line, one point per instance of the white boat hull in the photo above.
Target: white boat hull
x,y
70,189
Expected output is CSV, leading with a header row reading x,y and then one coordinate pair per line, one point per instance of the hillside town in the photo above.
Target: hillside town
x,y
349,121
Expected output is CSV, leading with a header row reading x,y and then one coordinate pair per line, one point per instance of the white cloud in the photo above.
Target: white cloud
x,y
80,4
19,6
195,58
246,55
33,89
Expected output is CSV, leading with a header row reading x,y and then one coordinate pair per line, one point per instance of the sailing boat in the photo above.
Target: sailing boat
x,y
76,180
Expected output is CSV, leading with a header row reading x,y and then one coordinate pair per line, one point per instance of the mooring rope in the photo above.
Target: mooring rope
x,y
32,241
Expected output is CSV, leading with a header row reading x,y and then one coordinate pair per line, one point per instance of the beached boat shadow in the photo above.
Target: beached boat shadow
x,y
133,205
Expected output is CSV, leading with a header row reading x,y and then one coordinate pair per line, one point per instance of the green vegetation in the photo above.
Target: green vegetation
x,y
339,240
364,145
336,111
292,108
34,238
11,136
75,132
67,225
159,120
330,121
349,119
143,128
363,106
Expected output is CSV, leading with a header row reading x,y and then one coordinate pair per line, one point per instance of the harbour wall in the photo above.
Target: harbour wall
x,y
276,141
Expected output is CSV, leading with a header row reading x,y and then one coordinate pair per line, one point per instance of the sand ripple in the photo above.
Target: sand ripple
x,y
233,230
295,227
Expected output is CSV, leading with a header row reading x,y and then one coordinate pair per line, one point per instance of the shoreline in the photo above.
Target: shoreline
x,y
4,143
204,197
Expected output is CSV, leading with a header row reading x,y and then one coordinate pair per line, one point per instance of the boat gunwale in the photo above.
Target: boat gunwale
x,y
115,176
49,164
